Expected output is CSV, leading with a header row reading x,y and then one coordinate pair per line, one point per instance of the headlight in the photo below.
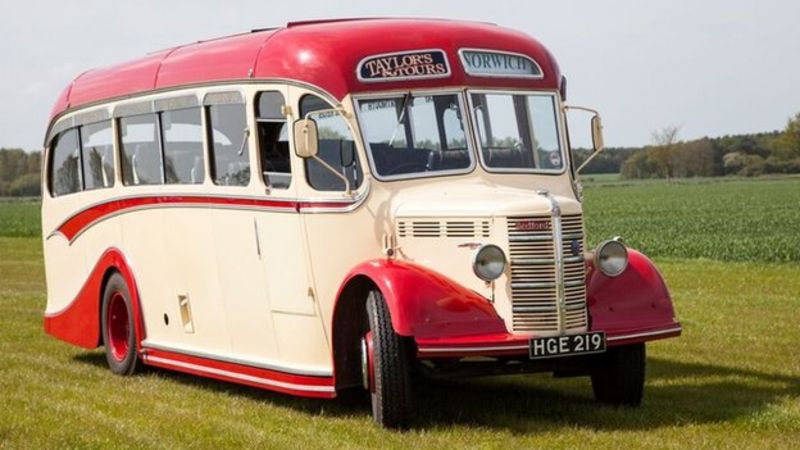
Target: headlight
x,y
611,258
489,262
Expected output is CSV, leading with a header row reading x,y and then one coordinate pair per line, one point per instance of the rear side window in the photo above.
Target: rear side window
x,y
183,146
65,166
97,142
230,155
141,156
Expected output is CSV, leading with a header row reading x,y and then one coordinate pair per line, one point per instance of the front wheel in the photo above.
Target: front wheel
x,y
619,378
119,335
386,366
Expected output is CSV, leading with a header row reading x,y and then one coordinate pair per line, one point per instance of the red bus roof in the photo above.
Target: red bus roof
x,y
322,53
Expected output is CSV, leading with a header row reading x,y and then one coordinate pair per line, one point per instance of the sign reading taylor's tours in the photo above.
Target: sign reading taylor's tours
x,y
499,64
404,66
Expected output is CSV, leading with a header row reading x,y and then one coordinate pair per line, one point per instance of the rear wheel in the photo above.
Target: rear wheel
x,y
385,366
619,379
119,334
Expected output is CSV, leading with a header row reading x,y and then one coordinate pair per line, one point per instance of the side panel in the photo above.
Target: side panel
x,y
636,300
425,304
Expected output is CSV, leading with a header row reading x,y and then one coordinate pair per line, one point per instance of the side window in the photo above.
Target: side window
x,y
65,164
230,156
336,147
273,140
182,132
141,156
97,143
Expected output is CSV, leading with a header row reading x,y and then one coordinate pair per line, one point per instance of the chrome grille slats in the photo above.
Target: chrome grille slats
x,y
457,228
534,294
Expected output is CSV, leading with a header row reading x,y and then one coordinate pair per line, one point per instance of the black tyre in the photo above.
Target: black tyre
x,y
118,329
389,381
619,379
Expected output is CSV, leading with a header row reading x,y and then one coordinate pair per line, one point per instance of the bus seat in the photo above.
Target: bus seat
x,y
503,157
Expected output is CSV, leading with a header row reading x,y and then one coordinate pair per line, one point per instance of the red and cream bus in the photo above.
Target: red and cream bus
x,y
334,205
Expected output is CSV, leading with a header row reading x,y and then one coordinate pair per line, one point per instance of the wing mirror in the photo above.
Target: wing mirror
x,y
598,143
306,142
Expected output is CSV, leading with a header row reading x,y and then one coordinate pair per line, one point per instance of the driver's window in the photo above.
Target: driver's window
x,y
336,148
230,156
273,140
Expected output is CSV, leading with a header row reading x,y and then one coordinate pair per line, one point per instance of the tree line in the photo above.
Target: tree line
x,y
20,173
776,152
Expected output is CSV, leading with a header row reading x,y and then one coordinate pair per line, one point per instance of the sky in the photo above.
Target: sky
x,y
710,67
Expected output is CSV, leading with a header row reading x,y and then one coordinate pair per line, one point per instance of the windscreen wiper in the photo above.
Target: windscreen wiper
x,y
401,118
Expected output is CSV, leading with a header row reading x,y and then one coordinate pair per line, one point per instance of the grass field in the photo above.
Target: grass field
x,y
731,381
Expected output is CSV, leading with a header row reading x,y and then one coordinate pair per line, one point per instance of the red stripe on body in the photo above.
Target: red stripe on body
x,y
84,219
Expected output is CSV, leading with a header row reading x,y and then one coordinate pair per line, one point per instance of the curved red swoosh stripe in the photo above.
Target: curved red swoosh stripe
x,y
87,217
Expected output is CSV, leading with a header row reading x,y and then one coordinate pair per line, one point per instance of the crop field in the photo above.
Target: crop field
x,y
728,251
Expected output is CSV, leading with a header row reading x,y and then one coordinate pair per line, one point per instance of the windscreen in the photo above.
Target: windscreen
x,y
415,135
517,132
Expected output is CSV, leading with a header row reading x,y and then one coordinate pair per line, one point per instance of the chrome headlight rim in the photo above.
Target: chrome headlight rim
x,y
602,253
476,262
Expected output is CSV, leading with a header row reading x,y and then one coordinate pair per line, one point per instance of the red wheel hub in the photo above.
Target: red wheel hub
x,y
118,326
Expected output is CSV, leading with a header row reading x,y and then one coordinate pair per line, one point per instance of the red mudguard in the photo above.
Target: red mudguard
x,y
426,304
79,322
633,306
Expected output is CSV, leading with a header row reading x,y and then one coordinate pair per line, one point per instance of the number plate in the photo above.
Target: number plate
x,y
568,345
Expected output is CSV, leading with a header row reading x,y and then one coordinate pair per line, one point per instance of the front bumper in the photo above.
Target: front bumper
x,y
507,344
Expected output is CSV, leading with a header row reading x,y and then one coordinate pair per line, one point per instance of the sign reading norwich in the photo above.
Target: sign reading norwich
x,y
487,63
404,66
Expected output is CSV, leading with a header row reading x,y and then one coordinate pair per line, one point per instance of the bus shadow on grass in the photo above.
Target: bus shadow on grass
x,y
676,393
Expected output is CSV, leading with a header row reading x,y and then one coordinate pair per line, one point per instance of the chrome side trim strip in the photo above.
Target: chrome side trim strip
x,y
472,349
240,361
239,376
532,285
544,237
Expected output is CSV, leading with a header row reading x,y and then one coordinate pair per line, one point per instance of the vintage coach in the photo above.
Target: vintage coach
x,y
339,205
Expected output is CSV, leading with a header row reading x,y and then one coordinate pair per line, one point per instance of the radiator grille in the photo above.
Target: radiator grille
x,y
534,296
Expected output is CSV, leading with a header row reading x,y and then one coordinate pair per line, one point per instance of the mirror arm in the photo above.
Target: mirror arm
x,y
587,161
348,192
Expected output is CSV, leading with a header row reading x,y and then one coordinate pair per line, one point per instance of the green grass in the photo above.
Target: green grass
x,y
730,219
732,380
20,217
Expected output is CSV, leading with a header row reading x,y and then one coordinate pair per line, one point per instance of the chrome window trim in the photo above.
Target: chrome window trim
x,y
94,116
173,103
223,98
420,175
559,129
134,109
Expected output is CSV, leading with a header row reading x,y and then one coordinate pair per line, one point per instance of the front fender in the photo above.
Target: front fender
x,y
636,300
426,304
